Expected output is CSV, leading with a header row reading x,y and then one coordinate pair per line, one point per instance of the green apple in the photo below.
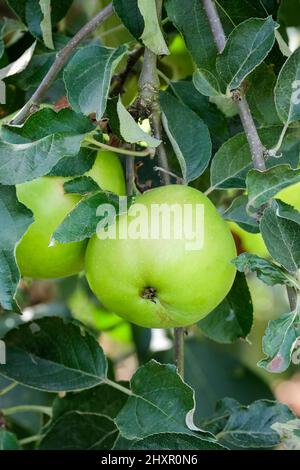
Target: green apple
x,y
253,242
50,205
157,282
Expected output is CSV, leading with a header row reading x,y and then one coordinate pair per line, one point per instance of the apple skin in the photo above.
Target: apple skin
x,y
45,197
253,242
187,284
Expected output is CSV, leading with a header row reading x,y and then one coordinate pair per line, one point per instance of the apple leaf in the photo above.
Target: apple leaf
x,y
281,339
237,212
152,35
249,427
8,441
46,24
19,64
233,318
289,434
191,142
267,271
287,89
206,82
228,172
129,13
86,431
51,355
82,185
260,95
15,219
281,235
83,220
40,144
261,187
130,130
147,412
88,75
191,21
174,441
246,47
29,11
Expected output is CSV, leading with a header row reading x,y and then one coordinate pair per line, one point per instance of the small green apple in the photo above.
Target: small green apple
x,y
253,242
50,205
157,282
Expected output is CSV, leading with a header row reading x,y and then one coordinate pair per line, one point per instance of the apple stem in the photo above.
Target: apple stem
x,y
179,350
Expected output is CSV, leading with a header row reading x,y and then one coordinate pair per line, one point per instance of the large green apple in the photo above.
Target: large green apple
x,y
253,242
157,282
50,205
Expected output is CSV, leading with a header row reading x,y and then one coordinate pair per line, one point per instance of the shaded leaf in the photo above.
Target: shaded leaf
x,y
128,11
8,441
246,47
15,219
152,35
289,434
46,25
233,318
268,272
287,89
82,185
191,142
237,212
174,441
279,342
130,130
51,355
282,237
88,75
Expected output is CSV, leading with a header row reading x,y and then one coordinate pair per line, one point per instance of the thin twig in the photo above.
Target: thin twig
x,y
61,59
255,144
129,175
133,153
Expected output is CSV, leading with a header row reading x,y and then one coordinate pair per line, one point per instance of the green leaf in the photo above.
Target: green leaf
x,y
262,187
19,64
260,95
46,25
229,172
8,441
215,120
85,431
251,426
174,441
191,142
289,434
191,21
40,144
237,212
152,35
279,342
246,47
130,130
29,11
88,75
233,318
287,89
15,220
51,355
129,13
147,412
268,272
206,82
282,237
84,220
82,185
102,400
75,166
